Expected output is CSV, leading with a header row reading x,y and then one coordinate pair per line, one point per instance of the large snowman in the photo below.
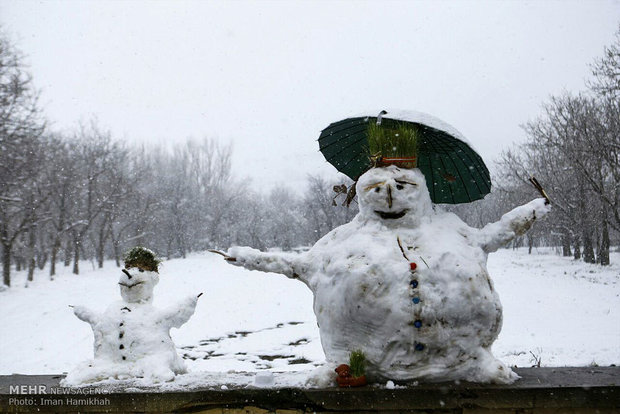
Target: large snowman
x,y
132,337
404,282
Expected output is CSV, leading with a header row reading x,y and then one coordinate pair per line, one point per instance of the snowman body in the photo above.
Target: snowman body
x,y
132,332
132,337
435,319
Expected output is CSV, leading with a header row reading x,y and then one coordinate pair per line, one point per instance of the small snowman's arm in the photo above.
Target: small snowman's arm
x,y
292,265
512,224
85,314
175,316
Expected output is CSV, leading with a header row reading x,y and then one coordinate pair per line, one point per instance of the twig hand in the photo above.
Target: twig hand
x,y
542,192
227,257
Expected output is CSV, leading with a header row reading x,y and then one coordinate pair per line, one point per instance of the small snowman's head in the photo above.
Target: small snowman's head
x,y
137,284
394,196
140,275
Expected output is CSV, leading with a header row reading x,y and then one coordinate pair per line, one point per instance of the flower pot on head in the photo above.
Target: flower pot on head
x,y
401,162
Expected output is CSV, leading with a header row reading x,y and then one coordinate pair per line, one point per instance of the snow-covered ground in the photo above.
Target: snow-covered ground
x,y
556,310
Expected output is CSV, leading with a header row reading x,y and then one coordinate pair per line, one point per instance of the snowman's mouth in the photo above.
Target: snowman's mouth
x,y
391,215
130,286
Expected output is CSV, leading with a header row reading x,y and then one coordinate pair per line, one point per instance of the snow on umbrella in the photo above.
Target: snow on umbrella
x,y
454,171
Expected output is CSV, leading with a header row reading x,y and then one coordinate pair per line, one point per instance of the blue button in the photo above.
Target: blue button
x,y
416,300
414,284
417,324
419,347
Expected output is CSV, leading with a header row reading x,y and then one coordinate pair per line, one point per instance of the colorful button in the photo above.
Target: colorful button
x,y
416,300
413,266
419,347
414,284
417,324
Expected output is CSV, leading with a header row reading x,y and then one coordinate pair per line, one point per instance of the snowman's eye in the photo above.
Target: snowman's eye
x,y
399,187
405,182
140,270
375,186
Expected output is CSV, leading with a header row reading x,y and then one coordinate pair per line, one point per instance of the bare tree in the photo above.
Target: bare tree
x,y
95,153
606,71
21,126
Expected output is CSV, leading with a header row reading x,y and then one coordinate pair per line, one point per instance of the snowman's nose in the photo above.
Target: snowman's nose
x,y
127,273
389,196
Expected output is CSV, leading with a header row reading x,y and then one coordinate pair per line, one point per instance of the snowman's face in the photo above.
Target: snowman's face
x,y
395,196
137,284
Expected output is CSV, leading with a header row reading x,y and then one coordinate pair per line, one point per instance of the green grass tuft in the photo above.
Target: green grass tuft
x,y
143,258
393,139
357,363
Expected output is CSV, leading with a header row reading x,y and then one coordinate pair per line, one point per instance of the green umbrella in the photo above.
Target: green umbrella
x,y
454,172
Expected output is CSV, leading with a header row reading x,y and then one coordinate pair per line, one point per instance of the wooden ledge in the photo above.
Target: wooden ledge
x,y
540,390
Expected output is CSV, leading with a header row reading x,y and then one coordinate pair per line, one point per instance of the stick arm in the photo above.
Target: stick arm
x,y
292,265
512,224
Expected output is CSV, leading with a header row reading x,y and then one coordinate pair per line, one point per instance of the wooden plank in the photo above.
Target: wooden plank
x,y
549,390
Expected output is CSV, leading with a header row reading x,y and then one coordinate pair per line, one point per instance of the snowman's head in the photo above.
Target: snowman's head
x,y
137,284
394,196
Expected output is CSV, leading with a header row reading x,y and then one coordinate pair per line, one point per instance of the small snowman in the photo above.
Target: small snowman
x,y
132,337
404,282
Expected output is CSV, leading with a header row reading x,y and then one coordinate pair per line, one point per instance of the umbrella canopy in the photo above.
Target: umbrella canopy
x,y
454,171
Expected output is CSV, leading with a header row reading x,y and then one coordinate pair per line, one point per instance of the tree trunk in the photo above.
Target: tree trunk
x,y
31,245
67,253
76,256
588,248
577,248
117,253
603,254
181,244
42,257
565,244
530,243
102,239
55,249
100,255
169,249
6,264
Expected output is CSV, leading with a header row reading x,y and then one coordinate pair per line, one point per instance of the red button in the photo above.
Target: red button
x,y
413,266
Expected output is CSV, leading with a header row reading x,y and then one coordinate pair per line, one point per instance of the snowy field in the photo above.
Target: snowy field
x,y
556,311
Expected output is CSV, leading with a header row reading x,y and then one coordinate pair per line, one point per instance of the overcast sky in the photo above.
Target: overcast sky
x,y
269,76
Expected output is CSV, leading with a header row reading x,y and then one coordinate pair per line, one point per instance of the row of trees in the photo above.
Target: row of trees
x,y
83,195
574,148
93,198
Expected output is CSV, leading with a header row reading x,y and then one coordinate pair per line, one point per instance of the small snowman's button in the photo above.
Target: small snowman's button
x,y
121,334
416,300
414,283
419,347
417,323
121,347
413,266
